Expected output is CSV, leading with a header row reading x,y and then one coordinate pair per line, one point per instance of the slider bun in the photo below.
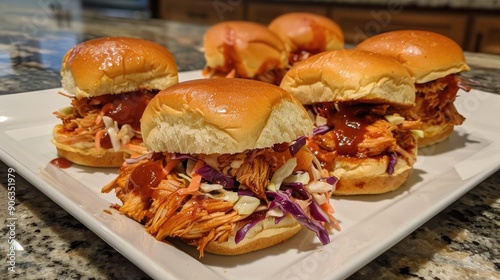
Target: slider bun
x,y
427,55
435,133
368,175
264,234
86,154
114,65
350,76
248,47
222,115
306,31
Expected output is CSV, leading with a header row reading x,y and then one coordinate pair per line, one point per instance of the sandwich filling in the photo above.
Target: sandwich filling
x,y
110,121
434,103
211,198
360,131
273,76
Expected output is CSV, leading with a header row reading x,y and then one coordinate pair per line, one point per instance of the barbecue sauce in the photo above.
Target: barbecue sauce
x,y
349,127
128,108
145,177
316,45
61,162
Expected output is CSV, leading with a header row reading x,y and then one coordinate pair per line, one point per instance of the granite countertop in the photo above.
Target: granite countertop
x,y
461,242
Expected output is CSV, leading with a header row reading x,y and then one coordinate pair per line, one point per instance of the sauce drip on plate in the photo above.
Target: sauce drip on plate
x,y
61,162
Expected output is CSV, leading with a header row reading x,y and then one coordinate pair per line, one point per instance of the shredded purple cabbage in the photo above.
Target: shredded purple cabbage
x,y
321,129
317,213
392,163
183,156
330,180
137,159
298,188
281,199
297,145
245,192
211,175
254,219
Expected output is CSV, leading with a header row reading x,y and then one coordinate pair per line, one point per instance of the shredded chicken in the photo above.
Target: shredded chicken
x,y
85,120
273,76
434,102
378,138
81,124
196,218
193,217
254,174
375,136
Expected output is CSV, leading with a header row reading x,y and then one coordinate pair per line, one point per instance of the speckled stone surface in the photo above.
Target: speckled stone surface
x,y
461,242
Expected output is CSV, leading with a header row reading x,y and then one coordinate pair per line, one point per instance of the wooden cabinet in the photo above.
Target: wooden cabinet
x,y
264,13
485,34
201,11
472,30
359,24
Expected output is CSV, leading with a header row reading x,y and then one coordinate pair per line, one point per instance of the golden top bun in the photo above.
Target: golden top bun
x,y
306,31
249,48
369,175
222,115
264,234
427,55
350,76
114,65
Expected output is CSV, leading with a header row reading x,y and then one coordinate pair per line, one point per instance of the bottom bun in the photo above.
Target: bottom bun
x,y
435,134
89,156
109,159
264,234
369,175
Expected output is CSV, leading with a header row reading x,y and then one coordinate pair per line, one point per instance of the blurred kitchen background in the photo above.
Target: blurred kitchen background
x,y
474,24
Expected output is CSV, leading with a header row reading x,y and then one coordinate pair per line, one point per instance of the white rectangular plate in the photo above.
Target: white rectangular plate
x,y
370,224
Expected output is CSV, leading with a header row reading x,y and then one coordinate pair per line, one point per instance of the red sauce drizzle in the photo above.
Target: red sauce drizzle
x,y
349,129
145,177
281,147
316,45
61,162
128,108
232,59
349,126
106,141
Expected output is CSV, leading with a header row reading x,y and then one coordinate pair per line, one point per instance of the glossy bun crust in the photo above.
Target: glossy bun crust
x,y
307,31
249,48
427,55
114,65
222,115
350,76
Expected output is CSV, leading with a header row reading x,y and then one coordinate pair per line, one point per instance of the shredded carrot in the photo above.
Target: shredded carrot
x,y
98,119
231,74
135,155
170,165
135,148
195,183
65,94
327,207
98,137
